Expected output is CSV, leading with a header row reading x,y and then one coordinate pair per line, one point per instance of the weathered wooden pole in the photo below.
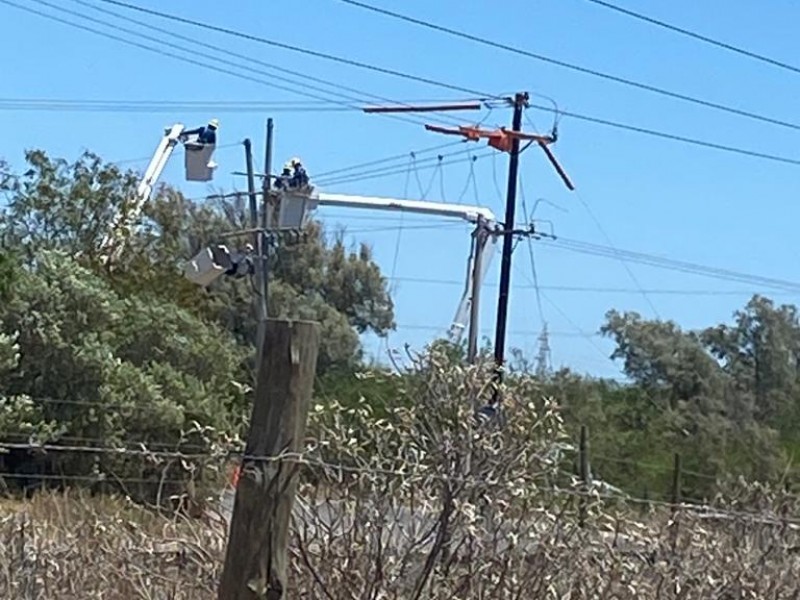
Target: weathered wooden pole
x,y
583,466
676,480
256,555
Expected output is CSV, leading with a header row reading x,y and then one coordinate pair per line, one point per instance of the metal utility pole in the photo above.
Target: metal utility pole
x,y
481,233
258,246
520,100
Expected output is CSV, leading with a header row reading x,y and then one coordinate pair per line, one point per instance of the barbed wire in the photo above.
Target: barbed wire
x,y
301,458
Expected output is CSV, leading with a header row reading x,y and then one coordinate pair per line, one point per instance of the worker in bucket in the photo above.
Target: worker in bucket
x,y
206,134
299,176
283,181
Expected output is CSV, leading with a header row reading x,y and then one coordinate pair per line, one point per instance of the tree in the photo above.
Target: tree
x,y
136,354
92,368
698,401
761,352
70,206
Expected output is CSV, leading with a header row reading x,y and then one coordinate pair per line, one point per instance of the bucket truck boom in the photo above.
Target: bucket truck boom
x,y
198,167
482,245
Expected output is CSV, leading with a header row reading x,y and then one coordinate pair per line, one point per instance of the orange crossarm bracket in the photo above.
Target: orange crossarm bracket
x,y
502,138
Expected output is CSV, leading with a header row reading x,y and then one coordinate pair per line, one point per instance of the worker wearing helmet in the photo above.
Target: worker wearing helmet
x,y
299,175
209,133
205,135
284,179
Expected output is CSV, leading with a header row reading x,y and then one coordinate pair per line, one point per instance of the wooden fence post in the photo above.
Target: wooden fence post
x,y
676,480
256,554
584,474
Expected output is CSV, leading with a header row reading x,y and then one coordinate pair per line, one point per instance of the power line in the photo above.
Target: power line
x,y
401,171
159,51
593,289
571,66
189,60
304,76
155,107
160,40
300,50
233,105
309,106
624,263
697,36
394,157
669,136
673,265
534,272
515,332
425,163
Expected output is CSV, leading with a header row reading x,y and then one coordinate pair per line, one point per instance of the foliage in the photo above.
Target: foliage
x,y
88,367
136,353
132,354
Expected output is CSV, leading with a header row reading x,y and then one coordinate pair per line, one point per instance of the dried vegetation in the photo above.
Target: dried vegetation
x,y
418,502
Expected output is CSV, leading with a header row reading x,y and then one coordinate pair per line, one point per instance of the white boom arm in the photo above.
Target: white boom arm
x,y
110,246
439,209
461,320
483,217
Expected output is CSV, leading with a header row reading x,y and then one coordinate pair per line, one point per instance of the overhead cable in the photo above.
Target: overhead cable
x,y
698,36
571,66
300,50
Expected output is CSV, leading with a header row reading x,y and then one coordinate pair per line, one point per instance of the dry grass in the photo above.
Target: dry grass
x,y
354,546
419,503
77,547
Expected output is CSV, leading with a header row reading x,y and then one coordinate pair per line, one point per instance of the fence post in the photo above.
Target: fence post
x,y
583,466
676,480
256,554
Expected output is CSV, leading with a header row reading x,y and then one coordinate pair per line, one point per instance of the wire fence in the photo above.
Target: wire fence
x,y
410,475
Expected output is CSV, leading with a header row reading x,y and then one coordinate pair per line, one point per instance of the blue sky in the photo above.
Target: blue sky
x,y
649,195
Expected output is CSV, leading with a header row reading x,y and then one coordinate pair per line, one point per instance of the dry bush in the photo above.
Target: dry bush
x,y
419,500
432,504
77,547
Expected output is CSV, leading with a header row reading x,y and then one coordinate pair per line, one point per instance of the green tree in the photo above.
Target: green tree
x,y
761,353
70,206
93,368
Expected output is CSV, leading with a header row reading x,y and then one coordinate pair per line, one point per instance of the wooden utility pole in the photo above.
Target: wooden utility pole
x,y
507,140
258,247
266,182
256,554
520,100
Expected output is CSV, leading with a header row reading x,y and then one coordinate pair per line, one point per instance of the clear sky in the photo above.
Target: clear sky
x,y
650,195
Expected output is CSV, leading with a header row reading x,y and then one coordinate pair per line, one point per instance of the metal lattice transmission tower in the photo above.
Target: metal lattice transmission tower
x,y
543,356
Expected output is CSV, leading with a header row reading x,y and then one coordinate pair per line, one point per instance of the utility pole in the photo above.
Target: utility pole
x,y
256,555
266,184
481,234
258,247
520,100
